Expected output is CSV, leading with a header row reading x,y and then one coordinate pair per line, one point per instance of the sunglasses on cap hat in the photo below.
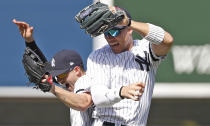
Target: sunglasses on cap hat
x,y
115,31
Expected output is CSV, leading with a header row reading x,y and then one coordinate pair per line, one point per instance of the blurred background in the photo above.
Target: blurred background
x,y
182,92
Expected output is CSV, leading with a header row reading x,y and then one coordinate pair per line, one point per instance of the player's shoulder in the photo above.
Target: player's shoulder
x,y
101,51
142,44
83,83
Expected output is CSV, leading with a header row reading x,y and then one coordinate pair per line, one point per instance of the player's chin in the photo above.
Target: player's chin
x,y
116,49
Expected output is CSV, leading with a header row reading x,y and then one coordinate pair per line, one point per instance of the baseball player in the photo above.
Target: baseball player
x,y
77,118
125,61
68,70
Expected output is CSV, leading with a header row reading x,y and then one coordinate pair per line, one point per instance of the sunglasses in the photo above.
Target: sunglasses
x,y
114,32
61,76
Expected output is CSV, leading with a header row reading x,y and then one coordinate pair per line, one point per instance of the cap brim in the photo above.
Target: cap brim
x,y
57,72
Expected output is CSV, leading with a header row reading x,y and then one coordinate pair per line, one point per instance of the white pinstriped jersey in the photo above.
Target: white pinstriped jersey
x,y
116,70
78,118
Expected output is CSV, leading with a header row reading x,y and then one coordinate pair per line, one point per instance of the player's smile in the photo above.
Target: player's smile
x,y
113,45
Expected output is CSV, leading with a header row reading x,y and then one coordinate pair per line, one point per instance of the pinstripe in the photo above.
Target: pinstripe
x,y
78,118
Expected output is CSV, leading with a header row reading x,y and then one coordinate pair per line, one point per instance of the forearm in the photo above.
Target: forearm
x,y
140,27
104,97
32,45
152,33
75,101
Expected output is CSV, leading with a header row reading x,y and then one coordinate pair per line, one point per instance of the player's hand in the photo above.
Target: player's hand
x,y
45,79
25,30
125,21
133,91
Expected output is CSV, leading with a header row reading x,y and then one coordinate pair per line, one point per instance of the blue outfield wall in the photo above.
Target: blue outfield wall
x,y
54,29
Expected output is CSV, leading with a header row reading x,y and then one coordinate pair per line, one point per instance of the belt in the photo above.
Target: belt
x,y
110,124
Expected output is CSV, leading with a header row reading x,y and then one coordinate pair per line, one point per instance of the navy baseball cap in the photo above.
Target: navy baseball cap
x,y
64,61
123,9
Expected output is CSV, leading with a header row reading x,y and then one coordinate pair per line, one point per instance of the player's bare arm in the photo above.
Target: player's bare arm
x,y
78,102
83,101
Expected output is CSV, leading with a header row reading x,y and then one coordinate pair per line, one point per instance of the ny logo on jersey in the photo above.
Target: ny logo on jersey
x,y
141,61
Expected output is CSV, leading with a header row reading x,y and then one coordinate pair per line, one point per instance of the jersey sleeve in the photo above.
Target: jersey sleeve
x,y
33,46
155,36
83,84
78,118
146,47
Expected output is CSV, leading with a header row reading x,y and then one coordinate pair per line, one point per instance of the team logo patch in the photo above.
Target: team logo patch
x,y
143,61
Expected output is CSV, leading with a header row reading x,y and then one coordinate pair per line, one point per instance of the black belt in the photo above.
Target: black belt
x,y
110,124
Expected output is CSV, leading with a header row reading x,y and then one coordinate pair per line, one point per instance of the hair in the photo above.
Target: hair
x,y
82,67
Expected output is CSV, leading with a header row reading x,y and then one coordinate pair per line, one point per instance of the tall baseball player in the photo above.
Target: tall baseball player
x,y
68,70
123,61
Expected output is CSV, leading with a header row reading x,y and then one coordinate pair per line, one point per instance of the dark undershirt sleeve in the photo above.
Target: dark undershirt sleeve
x,y
36,49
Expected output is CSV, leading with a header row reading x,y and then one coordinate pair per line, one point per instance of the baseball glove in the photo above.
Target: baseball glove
x,y
35,70
97,18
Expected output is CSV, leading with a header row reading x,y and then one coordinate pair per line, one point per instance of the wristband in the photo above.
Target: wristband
x,y
155,35
129,22
120,92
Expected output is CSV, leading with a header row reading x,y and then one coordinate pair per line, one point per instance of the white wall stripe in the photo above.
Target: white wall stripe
x,y
161,90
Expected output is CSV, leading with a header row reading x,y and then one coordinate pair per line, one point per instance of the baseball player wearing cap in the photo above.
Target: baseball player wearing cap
x,y
125,61
63,62
68,70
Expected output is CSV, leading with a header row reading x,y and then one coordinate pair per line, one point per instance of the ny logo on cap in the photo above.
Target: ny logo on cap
x,y
53,62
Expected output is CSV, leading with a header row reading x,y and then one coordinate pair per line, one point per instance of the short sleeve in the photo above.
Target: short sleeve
x,y
83,84
144,48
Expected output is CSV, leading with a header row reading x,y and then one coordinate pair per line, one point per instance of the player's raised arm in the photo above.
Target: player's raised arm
x,y
161,40
26,32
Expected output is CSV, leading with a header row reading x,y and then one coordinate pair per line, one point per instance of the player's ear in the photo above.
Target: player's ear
x,y
77,70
